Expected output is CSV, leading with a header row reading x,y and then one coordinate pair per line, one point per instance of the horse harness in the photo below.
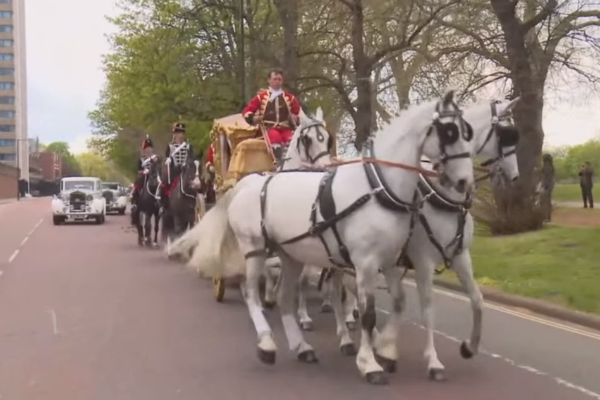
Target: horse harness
x,y
325,203
506,137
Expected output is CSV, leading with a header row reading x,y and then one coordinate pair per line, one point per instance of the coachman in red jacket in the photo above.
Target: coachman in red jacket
x,y
277,110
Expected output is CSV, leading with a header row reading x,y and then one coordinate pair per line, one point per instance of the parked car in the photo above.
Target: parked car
x,y
116,198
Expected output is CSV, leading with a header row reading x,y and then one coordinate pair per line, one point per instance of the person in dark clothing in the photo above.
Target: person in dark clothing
x,y
586,182
547,186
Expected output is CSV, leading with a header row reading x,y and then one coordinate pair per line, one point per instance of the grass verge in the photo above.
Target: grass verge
x,y
569,192
557,264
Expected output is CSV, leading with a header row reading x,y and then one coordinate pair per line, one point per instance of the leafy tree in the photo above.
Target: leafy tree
x,y
69,162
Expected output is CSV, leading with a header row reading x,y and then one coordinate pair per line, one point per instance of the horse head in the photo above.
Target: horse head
x,y
311,144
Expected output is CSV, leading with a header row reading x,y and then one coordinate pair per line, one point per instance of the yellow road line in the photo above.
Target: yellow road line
x,y
531,318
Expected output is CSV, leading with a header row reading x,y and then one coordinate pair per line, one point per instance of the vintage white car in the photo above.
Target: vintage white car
x,y
80,199
116,199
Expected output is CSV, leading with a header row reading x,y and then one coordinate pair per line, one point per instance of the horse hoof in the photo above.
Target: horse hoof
x,y
266,357
326,308
155,244
388,365
348,349
270,304
377,378
351,325
306,326
465,351
140,243
355,314
308,357
437,375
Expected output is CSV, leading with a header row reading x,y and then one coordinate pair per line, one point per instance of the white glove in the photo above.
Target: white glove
x,y
146,171
168,161
211,168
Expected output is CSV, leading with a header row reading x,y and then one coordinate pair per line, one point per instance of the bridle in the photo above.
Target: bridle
x,y
306,141
448,133
506,138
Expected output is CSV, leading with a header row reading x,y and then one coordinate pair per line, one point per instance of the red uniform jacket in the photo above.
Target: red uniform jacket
x,y
272,118
210,155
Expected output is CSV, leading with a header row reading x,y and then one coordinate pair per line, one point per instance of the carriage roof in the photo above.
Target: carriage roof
x,y
232,126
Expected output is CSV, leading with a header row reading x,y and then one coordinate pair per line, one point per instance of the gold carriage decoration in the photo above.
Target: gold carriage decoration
x,y
239,150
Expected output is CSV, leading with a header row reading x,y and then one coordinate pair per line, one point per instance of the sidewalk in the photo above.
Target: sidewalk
x,y
14,199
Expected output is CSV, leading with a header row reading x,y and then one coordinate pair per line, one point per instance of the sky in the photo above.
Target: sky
x,y
65,42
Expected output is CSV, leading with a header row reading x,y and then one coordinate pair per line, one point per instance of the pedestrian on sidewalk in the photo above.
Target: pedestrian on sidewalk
x,y
586,182
547,186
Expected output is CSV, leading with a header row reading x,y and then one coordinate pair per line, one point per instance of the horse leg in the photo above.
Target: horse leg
x,y
424,269
306,323
269,288
148,229
347,346
326,291
140,229
350,305
267,349
156,228
386,341
366,276
290,274
464,271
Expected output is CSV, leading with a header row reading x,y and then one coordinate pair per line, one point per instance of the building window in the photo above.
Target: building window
x,y
7,86
7,56
7,128
6,42
7,100
7,71
6,14
6,28
8,157
7,142
5,1
7,114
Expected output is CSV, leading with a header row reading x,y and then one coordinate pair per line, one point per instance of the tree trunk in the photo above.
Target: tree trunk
x,y
363,119
288,14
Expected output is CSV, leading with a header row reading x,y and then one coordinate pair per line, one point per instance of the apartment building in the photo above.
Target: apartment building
x,y
14,143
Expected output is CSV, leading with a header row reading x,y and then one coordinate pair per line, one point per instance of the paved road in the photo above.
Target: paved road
x,y
86,315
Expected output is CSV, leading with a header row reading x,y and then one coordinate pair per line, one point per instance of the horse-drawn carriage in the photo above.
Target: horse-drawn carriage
x,y
239,150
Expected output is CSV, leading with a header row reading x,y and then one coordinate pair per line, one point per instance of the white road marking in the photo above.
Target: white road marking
x,y
517,314
13,256
54,322
527,368
25,240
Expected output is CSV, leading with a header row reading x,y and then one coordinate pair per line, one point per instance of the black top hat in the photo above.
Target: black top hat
x,y
147,143
179,127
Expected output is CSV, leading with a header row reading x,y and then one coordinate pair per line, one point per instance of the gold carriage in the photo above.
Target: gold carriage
x,y
239,150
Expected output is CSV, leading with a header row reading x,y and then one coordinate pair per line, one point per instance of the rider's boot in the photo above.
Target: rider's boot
x,y
278,153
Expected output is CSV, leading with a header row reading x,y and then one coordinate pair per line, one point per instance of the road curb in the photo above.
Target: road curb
x,y
535,305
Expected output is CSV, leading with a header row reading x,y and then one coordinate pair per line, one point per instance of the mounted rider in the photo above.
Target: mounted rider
x,y
277,110
143,165
177,154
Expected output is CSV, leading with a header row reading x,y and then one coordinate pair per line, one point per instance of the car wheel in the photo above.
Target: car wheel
x,y
100,220
122,212
57,220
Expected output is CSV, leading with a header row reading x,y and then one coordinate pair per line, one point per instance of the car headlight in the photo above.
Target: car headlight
x,y
89,197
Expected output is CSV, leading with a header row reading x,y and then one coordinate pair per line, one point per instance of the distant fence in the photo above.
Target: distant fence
x,y
8,181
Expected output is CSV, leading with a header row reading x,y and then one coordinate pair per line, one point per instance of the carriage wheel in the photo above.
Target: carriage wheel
x,y
218,289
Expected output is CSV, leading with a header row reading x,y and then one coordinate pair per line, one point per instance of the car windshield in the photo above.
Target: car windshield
x,y
72,185
111,186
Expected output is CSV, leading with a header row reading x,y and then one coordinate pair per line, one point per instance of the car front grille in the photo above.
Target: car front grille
x,y
77,201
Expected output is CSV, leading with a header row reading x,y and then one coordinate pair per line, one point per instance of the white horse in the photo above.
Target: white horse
x,y
443,235
360,213
310,147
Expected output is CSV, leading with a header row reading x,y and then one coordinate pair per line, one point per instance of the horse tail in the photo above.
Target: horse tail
x,y
217,253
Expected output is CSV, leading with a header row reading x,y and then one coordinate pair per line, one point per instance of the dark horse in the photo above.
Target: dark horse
x,y
148,207
181,212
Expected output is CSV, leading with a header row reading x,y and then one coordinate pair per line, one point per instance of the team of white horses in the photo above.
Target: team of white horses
x,y
357,220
